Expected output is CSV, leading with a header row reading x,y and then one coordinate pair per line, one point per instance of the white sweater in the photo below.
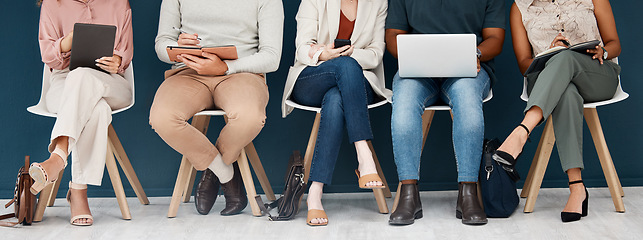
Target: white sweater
x,y
255,27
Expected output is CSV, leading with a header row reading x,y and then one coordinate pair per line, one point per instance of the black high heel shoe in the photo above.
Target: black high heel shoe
x,y
573,216
506,158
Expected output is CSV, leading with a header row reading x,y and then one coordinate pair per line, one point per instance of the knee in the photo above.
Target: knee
x,y
345,64
249,117
563,57
162,119
81,75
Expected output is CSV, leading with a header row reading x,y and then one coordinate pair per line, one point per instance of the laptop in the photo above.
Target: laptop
x,y
437,55
90,42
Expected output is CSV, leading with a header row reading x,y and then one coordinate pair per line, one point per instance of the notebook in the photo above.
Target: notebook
x,y
437,55
541,59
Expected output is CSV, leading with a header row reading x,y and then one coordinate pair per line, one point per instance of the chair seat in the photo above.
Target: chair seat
x,y
290,103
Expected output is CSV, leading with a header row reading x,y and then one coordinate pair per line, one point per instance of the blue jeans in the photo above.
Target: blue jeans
x,y
464,96
339,87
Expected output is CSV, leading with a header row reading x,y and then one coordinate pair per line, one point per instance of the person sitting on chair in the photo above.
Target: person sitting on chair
x,y
342,80
201,82
568,80
83,98
484,18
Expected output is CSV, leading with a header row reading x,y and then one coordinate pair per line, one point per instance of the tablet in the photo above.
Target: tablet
x,y
228,52
91,42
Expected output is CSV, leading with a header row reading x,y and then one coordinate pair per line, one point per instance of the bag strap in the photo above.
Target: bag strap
x,y
265,208
7,224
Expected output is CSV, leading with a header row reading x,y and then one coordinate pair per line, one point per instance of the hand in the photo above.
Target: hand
x,y
109,64
65,44
478,60
597,53
558,41
209,64
313,49
188,40
331,52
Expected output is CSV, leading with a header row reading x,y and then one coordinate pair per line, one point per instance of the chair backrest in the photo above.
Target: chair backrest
x,y
41,107
619,95
447,108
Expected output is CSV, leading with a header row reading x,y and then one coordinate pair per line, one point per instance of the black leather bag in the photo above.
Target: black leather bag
x,y
497,183
23,201
288,204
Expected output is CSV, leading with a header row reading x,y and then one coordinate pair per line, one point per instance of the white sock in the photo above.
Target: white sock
x,y
223,171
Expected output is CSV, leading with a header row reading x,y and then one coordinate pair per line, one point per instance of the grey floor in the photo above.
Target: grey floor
x,y
352,215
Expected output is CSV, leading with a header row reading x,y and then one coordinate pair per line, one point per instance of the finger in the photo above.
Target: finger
x,y
193,58
188,42
187,36
107,68
192,65
211,56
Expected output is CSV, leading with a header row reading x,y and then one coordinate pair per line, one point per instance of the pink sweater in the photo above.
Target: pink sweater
x,y
57,19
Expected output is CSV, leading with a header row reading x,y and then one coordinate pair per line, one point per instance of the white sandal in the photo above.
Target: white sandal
x,y
80,216
40,176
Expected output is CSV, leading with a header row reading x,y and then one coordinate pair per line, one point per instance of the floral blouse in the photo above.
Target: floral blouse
x,y
544,19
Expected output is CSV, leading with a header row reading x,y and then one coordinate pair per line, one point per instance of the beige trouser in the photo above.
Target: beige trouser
x,y
83,100
243,96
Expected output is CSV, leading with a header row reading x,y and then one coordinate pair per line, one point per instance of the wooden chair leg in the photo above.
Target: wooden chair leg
x,y
249,184
253,157
397,197
54,191
310,149
386,190
117,184
126,165
529,178
189,185
43,200
591,116
179,186
541,159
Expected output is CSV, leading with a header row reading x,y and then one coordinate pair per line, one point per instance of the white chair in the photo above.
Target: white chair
x,y
427,118
380,194
187,173
545,146
114,148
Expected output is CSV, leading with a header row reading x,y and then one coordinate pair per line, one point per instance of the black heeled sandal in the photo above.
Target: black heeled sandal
x,y
574,216
506,158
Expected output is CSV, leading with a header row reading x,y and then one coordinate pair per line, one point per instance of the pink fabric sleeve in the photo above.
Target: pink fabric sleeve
x,y
49,40
125,44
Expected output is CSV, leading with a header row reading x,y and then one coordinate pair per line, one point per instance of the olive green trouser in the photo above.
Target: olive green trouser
x,y
568,80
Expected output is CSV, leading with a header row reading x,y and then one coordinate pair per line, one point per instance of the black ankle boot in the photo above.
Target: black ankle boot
x,y
468,208
235,196
408,208
572,216
206,192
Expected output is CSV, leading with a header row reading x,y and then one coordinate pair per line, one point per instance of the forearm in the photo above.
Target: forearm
x,y
491,45
391,40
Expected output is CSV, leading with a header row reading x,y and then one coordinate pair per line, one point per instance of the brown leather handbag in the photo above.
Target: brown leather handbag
x,y
23,201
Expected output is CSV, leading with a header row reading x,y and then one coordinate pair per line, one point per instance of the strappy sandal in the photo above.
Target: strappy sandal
x,y
80,216
316,213
40,176
363,180
506,158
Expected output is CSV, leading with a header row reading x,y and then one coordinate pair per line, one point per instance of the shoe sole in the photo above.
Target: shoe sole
x,y
418,215
458,215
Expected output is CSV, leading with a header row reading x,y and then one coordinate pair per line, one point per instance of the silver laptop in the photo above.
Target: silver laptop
x,y
437,55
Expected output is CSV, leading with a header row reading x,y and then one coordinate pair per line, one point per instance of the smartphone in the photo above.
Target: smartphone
x,y
342,42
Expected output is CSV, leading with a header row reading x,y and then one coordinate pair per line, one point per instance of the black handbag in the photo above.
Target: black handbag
x,y
497,183
288,204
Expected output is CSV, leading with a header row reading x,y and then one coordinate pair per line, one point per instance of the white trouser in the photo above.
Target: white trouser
x,y
83,100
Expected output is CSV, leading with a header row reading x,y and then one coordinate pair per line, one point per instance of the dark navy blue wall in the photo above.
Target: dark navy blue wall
x,y
157,164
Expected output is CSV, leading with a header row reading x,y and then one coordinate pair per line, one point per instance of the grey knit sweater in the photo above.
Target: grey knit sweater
x,y
255,27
